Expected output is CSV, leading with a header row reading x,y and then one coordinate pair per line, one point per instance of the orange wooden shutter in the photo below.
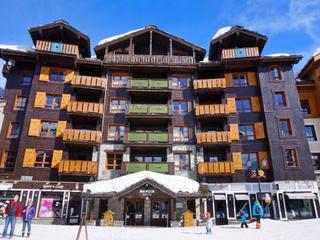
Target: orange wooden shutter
x,y
61,127
44,74
35,127
259,130
255,104
29,157
56,158
40,100
231,103
263,160
229,79
252,80
3,158
69,76
237,160
234,131
65,100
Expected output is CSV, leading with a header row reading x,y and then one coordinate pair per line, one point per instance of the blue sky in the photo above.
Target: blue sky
x,y
293,26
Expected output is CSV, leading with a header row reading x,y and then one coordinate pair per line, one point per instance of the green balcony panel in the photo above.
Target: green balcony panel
x,y
136,167
138,108
139,83
137,137
159,83
159,109
159,167
158,137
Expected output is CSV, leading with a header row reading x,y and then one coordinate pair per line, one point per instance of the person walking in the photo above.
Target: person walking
x,y
12,211
208,220
243,216
28,213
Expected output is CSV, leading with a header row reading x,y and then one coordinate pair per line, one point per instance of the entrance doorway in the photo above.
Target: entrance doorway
x,y
221,212
160,209
134,212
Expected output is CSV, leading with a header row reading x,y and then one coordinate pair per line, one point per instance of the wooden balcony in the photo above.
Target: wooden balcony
x,y
148,109
85,108
88,82
143,83
148,137
216,83
150,59
57,47
82,136
162,167
208,168
77,167
213,137
212,109
240,52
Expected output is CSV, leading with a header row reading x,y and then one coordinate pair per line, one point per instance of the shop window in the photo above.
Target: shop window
x,y
316,161
291,157
53,102
305,107
179,107
280,99
7,159
119,81
118,106
182,161
20,103
285,127
116,133
311,133
240,80
276,72
246,132
48,129
180,83
114,161
26,79
50,205
56,75
43,158
243,105
249,161
180,134
13,130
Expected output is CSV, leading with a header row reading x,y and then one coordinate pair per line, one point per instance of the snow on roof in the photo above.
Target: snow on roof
x,y
173,183
206,59
316,52
221,31
17,48
278,55
109,39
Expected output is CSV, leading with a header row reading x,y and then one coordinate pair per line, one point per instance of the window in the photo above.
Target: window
x,y
180,82
246,132
155,159
179,107
276,72
316,161
249,161
43,158
180,134
20,103
56,75
280,99
285,127
7,159
118,106
311,133
48,129
53,102
243,105
240,80
13,130
182,161
119,81
305,107
26,79
113,161
291,159
116,133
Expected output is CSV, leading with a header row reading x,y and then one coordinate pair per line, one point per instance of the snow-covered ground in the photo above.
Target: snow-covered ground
x,y
271,230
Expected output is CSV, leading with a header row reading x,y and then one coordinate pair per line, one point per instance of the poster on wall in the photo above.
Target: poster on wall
x,y
50,208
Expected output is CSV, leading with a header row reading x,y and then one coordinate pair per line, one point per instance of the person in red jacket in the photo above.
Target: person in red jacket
x,y
12,211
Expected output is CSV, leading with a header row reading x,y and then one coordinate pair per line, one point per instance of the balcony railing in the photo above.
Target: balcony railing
x,y
212,109
88,82
148,109
213,137
57,47
215,168
85,108
148,137
216,83
163,167
240,52
148,84
150,59
81,136
78,167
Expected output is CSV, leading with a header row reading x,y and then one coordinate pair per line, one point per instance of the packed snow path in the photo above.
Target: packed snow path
x,y
275,230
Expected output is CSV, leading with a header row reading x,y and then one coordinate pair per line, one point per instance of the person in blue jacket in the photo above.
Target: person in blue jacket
x,y
28,213
243,216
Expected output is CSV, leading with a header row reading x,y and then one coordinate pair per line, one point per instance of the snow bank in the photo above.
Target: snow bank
x,y
109,39
17,48
221,31
278,55
174,183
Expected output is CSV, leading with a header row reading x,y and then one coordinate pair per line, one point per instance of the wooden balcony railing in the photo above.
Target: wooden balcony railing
x,y
148,137
150,59
88,82
148,109
81,136
57,47
215,168
148,83
216,83
212,109
78,167
240,52
163,167
85,107
213,137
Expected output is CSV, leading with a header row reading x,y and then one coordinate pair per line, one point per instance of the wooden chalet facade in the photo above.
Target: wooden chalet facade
x,y
149,102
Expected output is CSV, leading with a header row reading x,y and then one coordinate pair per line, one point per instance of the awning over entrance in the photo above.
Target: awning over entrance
x,y
219,197
242,197
301,195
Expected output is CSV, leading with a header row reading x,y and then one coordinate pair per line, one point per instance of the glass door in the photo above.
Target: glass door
x,y
160,212
134,212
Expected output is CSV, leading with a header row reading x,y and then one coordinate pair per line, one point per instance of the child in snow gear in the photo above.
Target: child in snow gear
x,y
243,216
28,214
12,211
208,220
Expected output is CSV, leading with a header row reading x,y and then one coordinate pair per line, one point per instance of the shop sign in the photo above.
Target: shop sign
x,y
52,186
26,178
179,205
6,186
146,192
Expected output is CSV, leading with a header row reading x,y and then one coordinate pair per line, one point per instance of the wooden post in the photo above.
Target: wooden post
x,y
130,47
83,221
170,46
150,44
106,53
